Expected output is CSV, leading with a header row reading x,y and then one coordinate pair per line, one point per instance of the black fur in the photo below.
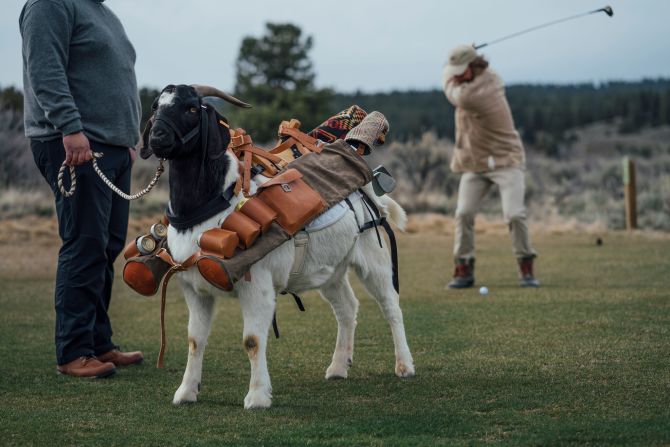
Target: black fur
x,y
204,177
197,170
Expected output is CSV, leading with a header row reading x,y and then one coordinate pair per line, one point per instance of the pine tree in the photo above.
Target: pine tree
x,y
275,75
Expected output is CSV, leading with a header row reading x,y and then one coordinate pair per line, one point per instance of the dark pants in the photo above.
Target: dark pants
x,y
92,225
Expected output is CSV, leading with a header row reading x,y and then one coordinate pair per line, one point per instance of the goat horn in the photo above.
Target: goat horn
x,y
205,90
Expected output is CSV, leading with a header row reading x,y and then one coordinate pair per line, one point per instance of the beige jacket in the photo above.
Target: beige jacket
x,y
485,135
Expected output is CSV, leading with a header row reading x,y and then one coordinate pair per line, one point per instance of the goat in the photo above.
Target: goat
x,y
197,175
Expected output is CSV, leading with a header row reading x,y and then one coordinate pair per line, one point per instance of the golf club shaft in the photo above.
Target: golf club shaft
x,y
607,10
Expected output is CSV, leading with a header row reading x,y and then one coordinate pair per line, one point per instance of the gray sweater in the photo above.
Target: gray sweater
x,y
78,72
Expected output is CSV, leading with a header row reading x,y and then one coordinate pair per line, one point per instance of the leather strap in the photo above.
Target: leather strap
x,y
310,143
394,254
298,302
261,153
246,172
378,220
287,176
243,148
273,161
176,267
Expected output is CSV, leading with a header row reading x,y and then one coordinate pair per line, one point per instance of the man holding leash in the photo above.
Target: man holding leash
x,y
80,95
488,151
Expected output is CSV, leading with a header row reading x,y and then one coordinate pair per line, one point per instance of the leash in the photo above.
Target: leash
x,y
73,179
176,267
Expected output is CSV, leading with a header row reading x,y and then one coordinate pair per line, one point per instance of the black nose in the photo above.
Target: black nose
x,y
159,133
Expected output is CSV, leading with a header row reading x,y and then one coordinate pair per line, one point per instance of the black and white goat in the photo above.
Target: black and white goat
x,y
199,172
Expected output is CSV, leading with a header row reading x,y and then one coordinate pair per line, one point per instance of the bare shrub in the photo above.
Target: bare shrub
x,y
421,168
17,168
585,185
15,202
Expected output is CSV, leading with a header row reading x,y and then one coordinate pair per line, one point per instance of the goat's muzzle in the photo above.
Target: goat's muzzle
x,y
166,137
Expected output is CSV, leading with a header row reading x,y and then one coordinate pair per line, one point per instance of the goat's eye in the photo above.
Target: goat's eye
x,y
192,110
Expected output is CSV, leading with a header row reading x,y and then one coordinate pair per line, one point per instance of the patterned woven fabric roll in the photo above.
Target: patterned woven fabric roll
x,y
336,127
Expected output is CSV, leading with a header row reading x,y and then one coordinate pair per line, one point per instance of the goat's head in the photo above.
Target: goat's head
x,y
180,119
194,138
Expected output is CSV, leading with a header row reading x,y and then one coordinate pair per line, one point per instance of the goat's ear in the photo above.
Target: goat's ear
x,y
218,134
145,149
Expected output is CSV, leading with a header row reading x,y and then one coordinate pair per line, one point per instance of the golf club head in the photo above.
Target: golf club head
x,y
382,181
607,10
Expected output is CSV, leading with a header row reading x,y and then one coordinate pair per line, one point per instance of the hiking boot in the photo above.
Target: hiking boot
x,y
464,274
119,358
526,278
87,366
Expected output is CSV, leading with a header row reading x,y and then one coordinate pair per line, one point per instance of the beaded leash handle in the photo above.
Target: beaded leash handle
x,y
73,179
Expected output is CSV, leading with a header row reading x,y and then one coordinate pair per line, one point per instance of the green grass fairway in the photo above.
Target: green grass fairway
x,y
583,360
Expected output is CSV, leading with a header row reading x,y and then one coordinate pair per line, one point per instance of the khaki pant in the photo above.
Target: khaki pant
x,y
472,189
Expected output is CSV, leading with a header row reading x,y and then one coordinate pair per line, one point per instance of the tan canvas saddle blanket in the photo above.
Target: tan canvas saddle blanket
x,y
306,177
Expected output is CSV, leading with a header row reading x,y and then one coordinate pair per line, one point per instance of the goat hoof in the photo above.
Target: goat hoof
x,y
183,395
257,399
336,372
404,370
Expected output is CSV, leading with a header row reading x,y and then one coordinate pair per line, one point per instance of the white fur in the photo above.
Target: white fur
x,y
166,98
330,253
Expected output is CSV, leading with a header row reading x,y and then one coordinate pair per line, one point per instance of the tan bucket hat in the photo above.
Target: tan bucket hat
x,y
459,59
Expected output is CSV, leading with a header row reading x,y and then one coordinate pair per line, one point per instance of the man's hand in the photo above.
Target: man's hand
x,y
77,149
467,76
133,155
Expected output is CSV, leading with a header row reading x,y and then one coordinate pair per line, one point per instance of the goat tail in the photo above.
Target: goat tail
x,y
396,213
388,207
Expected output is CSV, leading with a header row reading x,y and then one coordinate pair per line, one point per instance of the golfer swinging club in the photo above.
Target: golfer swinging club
x,y
488,151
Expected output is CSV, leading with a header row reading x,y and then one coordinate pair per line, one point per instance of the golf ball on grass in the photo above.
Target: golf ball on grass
x,y
483,290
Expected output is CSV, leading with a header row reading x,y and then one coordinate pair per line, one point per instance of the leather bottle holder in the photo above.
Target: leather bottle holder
x,y
218,242
131,250
213,270
258,211
247,229
144,273
292,199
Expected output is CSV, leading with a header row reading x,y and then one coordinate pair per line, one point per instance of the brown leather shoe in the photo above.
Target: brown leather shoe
x,y
87,367
122,358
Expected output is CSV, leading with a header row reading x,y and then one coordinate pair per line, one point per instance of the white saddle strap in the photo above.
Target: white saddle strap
x,y
300,241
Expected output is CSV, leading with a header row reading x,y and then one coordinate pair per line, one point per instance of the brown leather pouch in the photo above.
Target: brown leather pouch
x,y
131,250
246,228
213,270
258,211
219,242
144,273
294,201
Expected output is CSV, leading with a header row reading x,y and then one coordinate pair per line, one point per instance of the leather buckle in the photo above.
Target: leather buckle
x,y
286,187
237,140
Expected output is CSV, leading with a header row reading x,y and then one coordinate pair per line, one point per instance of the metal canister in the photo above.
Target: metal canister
x,y
145,244
158,231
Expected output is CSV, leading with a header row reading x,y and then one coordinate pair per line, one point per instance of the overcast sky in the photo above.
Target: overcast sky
x,y
380,45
